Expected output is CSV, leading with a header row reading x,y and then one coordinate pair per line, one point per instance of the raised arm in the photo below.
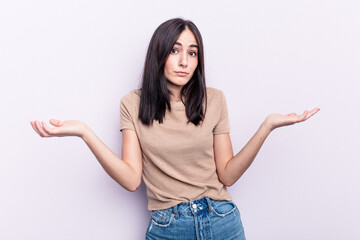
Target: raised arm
x,y
230,167
127,171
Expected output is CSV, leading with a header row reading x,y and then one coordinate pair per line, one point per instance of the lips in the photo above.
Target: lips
x,y
181,74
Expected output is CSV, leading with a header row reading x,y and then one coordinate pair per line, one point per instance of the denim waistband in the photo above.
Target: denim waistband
x,y
192,207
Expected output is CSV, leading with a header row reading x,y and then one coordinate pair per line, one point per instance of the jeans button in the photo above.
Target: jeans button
x,y
194,206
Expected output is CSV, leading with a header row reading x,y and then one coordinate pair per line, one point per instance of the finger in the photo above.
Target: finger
x,y
302,117
40,129
34,127
35,123
315,110
48,130
56,122
292,114
312,112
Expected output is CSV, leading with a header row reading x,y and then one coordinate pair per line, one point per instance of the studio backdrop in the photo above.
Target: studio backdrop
x,y
76,59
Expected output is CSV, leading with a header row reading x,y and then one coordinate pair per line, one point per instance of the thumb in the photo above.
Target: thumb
x,y
56,122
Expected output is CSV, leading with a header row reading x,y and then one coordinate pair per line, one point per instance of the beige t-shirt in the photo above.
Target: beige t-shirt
x,y
178,157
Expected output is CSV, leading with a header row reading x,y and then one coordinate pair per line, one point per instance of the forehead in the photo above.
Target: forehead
x,y
187,37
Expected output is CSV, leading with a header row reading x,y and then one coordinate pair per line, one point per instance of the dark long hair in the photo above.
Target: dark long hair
x,y
155,96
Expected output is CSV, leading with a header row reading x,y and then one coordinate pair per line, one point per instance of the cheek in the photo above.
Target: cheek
x,y
170,62
194,64
166,68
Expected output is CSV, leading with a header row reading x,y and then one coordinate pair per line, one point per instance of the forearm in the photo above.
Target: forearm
x,y
118,169
235,167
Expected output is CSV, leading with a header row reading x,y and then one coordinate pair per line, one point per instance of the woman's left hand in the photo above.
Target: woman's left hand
x,y
278,120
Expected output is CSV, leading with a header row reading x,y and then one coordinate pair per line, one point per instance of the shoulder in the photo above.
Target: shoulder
x,y
214,94
213,91
133,93
130,102
131,97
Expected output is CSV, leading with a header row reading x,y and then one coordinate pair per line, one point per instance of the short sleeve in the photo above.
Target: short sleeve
x,y
222,125
126,113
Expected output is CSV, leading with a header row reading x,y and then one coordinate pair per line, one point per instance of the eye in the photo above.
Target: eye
x,y
194,54
174,50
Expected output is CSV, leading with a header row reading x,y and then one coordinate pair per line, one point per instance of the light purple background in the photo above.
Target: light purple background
x,y
76,59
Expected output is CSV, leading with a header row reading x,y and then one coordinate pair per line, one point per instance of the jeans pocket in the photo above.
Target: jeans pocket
x,y
223,208
162,218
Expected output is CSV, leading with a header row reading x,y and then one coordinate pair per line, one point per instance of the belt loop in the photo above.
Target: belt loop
x,y
176,213
209,203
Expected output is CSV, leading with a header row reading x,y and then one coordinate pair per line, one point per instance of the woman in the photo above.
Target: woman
x,y
176,137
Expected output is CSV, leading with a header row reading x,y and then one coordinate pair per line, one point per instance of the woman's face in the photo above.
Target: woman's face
x,y
182,61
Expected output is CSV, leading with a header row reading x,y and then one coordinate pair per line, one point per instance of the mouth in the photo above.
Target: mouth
x,y
181,74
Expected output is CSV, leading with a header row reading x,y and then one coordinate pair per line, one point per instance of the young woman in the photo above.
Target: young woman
x,y
176,138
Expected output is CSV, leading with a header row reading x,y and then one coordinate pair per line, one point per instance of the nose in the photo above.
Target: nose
x,y
183,61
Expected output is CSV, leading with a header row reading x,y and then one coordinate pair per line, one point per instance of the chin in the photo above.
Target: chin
x,y
178,82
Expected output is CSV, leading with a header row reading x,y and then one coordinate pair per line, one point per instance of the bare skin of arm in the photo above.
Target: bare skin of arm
x,y
230,167
126,171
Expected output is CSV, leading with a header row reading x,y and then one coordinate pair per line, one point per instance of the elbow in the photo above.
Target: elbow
x,y
226,182
133,187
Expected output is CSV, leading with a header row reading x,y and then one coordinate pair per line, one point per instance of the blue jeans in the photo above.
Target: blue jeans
x,y
202,219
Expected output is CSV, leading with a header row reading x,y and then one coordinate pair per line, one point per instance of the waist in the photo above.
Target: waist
x,y
192,207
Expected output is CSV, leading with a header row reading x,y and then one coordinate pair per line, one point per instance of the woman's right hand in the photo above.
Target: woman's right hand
x,y
61,129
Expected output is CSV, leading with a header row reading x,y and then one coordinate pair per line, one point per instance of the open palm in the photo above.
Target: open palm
x,y
279,120
61,129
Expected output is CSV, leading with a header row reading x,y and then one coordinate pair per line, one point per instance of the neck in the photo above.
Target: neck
x,y
174,92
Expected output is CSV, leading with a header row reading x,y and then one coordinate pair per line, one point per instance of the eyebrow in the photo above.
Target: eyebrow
x,y
192,45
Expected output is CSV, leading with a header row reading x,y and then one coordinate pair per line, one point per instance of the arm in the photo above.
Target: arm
x,y
126,171
230,167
